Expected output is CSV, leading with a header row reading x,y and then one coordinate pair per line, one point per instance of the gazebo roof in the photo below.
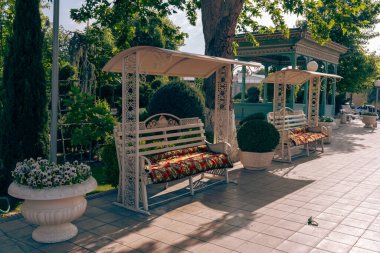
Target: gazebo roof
x,y
295,76
274,48
159,61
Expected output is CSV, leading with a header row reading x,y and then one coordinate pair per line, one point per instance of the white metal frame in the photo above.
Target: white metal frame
x,y
281,117
137,61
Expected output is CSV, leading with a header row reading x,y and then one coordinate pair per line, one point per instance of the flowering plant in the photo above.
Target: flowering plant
x,y
41,173
326,119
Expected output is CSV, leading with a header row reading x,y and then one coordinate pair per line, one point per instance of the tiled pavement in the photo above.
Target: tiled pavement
x,y
259,212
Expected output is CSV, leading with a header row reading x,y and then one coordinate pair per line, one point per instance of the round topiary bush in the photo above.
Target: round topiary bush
x,y
258,115
179,99
253,95
257,136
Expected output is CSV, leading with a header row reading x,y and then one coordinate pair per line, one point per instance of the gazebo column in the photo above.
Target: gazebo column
x,y
243,85
222,104
293,61
324,92
266,71
333,89
129,177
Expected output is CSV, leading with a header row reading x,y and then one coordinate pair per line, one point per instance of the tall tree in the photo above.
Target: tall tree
x,y
24,119
7,11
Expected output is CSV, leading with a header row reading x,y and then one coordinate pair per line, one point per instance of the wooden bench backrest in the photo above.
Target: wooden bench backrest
x,y
292,119
164,132
347,109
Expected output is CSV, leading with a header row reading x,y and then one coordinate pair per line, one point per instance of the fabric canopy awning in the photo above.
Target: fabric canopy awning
x,y
159,61
295,76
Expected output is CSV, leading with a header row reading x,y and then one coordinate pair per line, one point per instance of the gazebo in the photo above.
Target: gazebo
x,y
276,52
145,60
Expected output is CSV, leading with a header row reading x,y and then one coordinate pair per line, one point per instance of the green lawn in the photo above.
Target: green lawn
x,y
98,172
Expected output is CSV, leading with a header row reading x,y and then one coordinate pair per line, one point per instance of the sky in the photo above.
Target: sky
x,y
195,42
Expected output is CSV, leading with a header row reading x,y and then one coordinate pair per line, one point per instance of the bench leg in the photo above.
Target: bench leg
x,y
166,186
226,175
144,195
191,185
322,146
307,149
289,153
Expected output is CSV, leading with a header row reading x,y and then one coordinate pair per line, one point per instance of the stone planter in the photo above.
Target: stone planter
x,y
329,126
53,209
255,161
337,123
369,121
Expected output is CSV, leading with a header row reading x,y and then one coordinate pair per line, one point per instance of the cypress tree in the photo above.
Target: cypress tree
x,y
24,117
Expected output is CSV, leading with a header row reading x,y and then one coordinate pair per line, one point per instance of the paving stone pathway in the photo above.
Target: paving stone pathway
x,y
259,212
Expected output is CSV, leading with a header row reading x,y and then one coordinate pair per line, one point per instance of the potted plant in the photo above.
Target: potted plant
x,y
369,119
329,123
54,196
257,139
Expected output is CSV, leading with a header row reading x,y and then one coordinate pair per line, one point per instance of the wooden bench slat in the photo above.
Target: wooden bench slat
x,y
167,143
157,151
157,137
155,130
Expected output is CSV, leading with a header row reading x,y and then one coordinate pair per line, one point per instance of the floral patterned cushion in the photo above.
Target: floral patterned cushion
x,y
185,163
174,153
297,130
303,138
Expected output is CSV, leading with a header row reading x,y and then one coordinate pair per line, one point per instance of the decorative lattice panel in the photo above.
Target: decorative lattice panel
x,y
313,108
279,105
129,189
222,104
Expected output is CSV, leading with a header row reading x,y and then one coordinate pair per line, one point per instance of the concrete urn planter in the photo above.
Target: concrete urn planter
x,y
256,161
369,121
330,126
53,208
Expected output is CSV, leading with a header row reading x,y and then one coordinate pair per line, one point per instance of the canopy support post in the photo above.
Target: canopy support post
x,y
129,195
222,104
293,61
313,107
279,109
324,92
333,102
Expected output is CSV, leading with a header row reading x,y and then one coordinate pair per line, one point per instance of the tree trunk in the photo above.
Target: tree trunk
x,y
219,19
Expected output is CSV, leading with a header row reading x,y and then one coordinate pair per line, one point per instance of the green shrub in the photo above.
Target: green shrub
x,y
255,116
238,96
145,94
109,158
257,136
90,120
156,84
143,114
179,99
253,95
326,119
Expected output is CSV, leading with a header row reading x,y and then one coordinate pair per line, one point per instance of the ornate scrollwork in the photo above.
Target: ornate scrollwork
x,y
313,110
222,104
129,175
161,120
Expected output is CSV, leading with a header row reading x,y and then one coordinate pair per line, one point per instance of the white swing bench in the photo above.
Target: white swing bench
x,y
294,132
171,149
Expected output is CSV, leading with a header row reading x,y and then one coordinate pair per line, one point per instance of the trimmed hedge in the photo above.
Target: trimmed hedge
x,y
258,115
257,136
179,99
109,158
